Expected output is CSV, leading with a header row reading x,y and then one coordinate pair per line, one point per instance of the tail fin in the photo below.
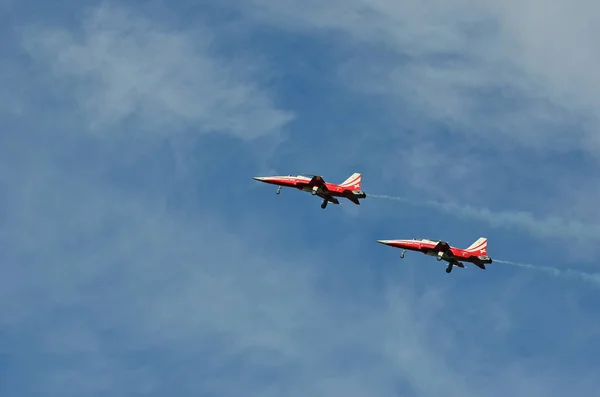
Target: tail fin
x,y
479,246
353,182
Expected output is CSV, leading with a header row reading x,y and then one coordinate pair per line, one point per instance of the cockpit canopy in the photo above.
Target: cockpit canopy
x,y
427,239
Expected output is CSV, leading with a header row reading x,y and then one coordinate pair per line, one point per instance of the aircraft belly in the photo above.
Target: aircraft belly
x,y
443,255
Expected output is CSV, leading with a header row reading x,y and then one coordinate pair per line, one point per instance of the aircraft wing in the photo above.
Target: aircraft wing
x,y
316,181
442,246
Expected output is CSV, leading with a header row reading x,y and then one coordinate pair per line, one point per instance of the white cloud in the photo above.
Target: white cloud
x,y
129,295
110,274
447,60
122,86
442,55
116,275
579,233
503,93
122,66
120,293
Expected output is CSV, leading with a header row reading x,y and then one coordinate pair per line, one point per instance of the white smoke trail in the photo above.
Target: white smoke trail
x,y
593,278
547,227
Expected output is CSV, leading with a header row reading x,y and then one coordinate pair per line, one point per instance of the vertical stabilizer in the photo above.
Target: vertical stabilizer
x,y
479,246
353,182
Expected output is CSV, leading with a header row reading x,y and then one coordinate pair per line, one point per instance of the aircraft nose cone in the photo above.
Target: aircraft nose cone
x,y
259,178
385,242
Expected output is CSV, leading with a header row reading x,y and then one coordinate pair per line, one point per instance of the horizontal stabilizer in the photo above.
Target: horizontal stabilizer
x,y
353,199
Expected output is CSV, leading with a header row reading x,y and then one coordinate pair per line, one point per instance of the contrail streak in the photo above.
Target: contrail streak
x,y
593,278
546,227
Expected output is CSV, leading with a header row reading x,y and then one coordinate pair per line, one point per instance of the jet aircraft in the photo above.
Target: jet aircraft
x,y
315,184
476,253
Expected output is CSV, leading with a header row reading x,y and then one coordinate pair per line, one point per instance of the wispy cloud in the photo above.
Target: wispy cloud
x,y
106,288
123,68
546,227
131,295
485,98
453,58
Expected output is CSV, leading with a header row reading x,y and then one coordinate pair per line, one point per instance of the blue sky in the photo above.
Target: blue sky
x,y
140,258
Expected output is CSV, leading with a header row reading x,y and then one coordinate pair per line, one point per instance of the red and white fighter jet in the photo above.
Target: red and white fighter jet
x,y
315,184
476,253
